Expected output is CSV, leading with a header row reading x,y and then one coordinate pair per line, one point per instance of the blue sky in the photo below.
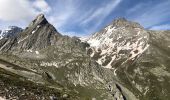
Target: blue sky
x,y
84,17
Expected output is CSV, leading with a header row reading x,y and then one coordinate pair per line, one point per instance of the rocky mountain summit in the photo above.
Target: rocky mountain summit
x,y
39,34
123,61
121,40
138,57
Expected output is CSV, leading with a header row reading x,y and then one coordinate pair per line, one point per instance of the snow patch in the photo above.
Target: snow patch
x,y
47,64
146,90
38,26
94,43
137,51
138,32
109,65
29,50
23,39
92,54
101,60
37,52
109,29
119,37
83,39
33,31
115,72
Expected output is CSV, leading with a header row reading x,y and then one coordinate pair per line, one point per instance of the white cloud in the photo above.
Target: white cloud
x,y
12,10
42,5
161,27
60,19
17,10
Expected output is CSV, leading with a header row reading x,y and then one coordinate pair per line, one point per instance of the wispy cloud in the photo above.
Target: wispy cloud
x,y
136,8
73,33
161,27
102,12
150,14
98,15
76,13
65,10
82,17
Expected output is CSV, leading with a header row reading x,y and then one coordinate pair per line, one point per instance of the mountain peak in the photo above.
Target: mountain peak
x,y
121,19
40,19
122,22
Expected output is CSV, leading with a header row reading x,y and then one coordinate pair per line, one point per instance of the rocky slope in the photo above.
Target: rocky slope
x,y
122,40
121,62
139,58
43,56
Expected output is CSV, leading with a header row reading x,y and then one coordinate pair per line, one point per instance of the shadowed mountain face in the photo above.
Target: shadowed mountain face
x,y
39,34
121,62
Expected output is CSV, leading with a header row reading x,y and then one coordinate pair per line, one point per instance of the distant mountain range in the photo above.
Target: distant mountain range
x,y
10,31
123,61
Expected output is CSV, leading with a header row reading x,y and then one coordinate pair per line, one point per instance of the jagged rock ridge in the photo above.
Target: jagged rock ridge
x,y
39,34
42,55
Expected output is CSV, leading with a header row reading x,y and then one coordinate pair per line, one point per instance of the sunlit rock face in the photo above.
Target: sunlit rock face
x,y
139,58
122,40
